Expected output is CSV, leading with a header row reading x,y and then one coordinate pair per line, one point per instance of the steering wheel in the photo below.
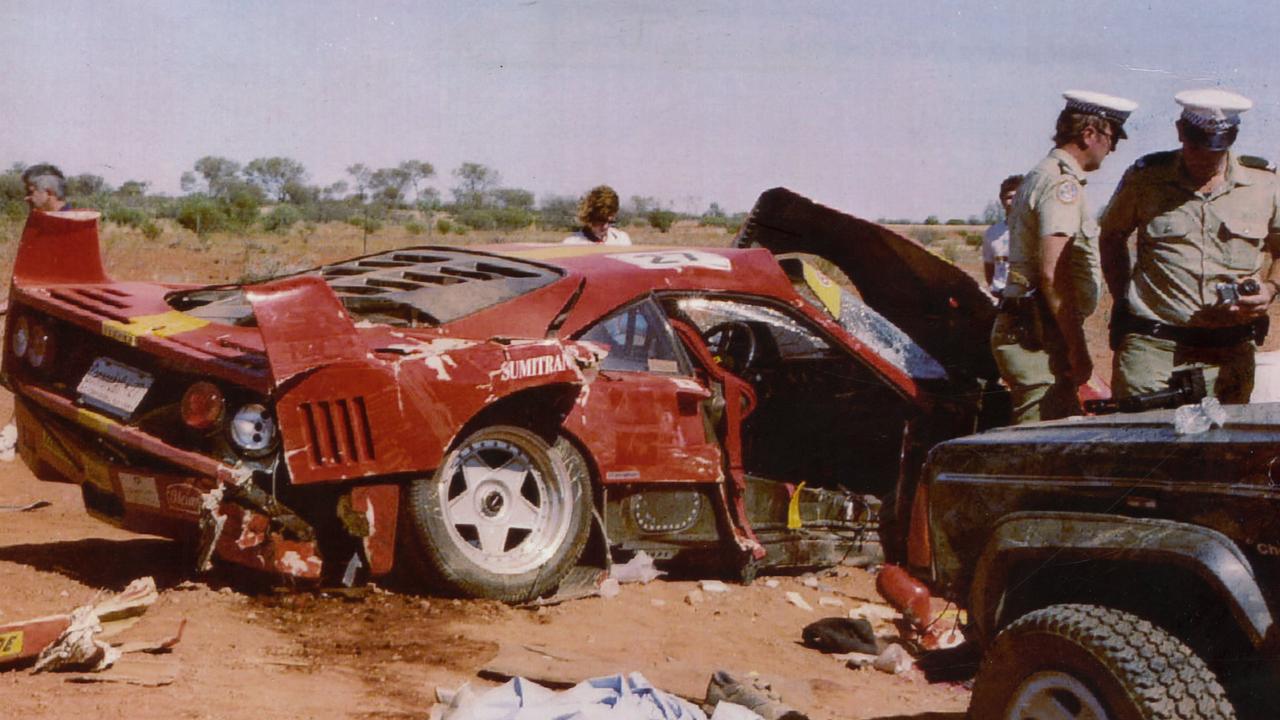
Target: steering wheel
x,y
732,344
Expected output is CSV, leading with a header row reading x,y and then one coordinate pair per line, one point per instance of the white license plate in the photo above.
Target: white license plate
x,y
113,386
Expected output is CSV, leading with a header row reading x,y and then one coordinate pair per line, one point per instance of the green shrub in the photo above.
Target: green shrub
x,y
973,239
281,218
413,227
479,218
201,215
444,225
460,229
150,230
127,216
951,251
662,219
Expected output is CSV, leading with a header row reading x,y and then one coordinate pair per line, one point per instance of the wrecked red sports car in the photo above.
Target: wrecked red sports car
x,y
489,418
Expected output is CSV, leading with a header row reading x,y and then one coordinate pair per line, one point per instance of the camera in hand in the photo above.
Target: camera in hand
x,y
1229,293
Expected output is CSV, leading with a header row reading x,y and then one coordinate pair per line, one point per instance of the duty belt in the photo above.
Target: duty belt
x,y
1202,337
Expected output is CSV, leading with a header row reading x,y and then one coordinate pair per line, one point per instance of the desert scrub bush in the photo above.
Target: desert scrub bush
x,y
413,227
444,225
973,239
368,224
661,219
281,218
151,230
201,215
127,216
927,236
952,251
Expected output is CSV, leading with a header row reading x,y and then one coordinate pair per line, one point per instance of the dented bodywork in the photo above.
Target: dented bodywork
x,y
310,423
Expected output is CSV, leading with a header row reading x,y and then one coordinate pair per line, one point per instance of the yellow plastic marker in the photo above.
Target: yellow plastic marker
x,y
793,510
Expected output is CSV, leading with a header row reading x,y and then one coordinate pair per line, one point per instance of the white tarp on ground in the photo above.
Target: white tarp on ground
x,y
614,697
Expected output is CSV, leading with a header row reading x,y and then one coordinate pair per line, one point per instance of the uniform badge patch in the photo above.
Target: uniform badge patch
x,y
1068,192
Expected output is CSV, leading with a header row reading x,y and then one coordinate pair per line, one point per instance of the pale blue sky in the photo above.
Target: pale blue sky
x,y
885,109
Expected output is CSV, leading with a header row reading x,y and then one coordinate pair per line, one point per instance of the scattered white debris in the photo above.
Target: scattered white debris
x,y
771,583
874,613
810,581
895,660
8,442
695,597
714,586
795,599
1198,418
855,660
638,569
609,588
825,601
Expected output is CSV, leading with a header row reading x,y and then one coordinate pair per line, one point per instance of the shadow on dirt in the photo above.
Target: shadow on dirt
x,y
102,563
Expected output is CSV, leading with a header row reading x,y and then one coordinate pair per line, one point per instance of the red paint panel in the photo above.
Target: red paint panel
x,y
303,326
642,427
380,504
21,642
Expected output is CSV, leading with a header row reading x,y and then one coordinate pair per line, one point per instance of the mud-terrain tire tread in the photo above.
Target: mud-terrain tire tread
x,y
442,573
1160,677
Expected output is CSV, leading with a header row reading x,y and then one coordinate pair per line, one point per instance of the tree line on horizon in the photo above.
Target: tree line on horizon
x,y
274,193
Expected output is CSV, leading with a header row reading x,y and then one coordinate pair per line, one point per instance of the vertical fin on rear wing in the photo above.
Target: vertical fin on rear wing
x,y
58,248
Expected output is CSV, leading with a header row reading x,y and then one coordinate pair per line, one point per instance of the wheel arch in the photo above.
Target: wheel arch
x,y
1036,559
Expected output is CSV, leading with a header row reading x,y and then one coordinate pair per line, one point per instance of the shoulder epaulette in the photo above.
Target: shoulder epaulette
x,y
1156,159
1257,163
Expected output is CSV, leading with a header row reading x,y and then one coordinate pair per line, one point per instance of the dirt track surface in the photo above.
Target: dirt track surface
x,y
253,652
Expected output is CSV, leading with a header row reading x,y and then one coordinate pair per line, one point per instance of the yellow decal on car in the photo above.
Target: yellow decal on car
x,y
824,287
94,421
161,325
11,644
97,473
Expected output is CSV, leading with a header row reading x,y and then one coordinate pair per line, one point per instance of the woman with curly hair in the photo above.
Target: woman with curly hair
x,y
597,213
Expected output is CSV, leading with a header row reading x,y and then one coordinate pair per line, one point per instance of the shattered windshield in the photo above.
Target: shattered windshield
x,y
410,287
855,316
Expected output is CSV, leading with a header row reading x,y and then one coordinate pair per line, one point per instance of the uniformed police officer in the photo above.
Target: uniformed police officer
x,y
1196,295
1054,280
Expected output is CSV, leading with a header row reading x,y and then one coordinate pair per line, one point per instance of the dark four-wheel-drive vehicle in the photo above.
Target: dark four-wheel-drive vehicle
x,y
1111,566
489,419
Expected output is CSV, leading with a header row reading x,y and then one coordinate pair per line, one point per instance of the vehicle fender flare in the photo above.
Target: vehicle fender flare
x,y
1063,536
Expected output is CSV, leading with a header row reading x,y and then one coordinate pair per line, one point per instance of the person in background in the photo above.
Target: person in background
x,y
1054,276
1197,294
46,188
995,242
597,213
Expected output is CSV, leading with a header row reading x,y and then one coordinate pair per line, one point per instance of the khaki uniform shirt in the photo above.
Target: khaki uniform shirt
x,y
1051,201
1189,242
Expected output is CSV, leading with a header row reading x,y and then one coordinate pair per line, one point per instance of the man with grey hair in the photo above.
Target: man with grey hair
x,y
46,187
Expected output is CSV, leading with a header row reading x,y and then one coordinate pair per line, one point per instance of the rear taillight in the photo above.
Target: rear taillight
x,y
20,340
41,346
203,405
919,544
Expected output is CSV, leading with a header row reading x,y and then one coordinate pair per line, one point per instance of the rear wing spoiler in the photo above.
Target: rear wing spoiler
x,y
59,248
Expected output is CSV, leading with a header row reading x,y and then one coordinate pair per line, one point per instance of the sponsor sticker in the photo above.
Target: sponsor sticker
x,y
183,498
139,490
532,367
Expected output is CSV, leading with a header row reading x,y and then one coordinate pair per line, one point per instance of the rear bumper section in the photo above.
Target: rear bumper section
x,y
197,497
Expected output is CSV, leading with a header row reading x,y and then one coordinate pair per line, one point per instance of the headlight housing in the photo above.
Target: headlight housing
x,y
203,405
253,430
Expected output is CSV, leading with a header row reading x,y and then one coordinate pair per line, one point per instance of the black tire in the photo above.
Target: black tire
x,y
1086,661
512,527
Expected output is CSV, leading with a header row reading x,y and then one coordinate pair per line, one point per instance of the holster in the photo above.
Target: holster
x,y
1026,313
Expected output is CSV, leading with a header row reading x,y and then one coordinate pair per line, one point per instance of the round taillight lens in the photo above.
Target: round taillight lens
x,y
21,339
253,429
203,405
40,352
